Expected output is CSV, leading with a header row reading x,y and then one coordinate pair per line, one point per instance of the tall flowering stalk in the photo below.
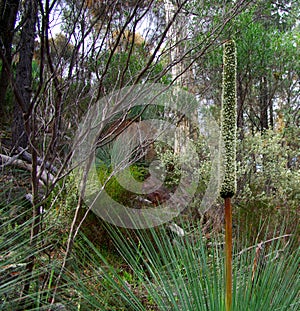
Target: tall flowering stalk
x,y
228,132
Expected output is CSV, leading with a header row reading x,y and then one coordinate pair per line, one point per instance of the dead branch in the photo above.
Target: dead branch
x,y
262,243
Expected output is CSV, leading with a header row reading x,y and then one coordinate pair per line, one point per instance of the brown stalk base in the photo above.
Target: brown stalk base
x,y
228,253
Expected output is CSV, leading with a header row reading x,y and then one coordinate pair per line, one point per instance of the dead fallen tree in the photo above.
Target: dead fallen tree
x,y
45,177
28,157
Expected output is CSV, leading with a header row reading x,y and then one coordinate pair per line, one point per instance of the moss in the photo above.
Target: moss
x,y
228,118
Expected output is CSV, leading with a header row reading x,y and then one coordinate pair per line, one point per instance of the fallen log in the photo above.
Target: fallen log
x,y
45,177
28,157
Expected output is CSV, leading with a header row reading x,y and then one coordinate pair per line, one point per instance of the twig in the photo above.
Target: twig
x,y
264,242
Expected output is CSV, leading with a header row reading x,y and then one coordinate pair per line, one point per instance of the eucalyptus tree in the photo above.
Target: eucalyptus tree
x,y
21,127
8,18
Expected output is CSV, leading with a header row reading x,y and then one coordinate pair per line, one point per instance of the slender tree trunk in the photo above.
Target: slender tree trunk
x,y
263,104
271,114
176,36
8,15
24,124
20,128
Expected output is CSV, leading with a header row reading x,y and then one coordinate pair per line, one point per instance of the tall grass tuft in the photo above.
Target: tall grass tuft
x,y
164,272
17,251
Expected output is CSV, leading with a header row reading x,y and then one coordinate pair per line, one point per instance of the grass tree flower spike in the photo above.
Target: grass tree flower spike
x,y
228,128
228,118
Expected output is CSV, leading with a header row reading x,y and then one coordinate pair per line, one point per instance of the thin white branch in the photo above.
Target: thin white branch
x,y
262,243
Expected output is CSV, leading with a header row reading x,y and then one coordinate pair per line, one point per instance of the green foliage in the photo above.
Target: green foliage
x,y
268,179
113,188
124,68
170,162
267,41
118,75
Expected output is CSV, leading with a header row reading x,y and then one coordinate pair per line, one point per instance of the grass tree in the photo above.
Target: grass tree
x,y
228,133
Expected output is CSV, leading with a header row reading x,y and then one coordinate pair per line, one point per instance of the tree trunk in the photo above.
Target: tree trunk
x,y
186,125
271,114
263,104
8,15
175,33
20,128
